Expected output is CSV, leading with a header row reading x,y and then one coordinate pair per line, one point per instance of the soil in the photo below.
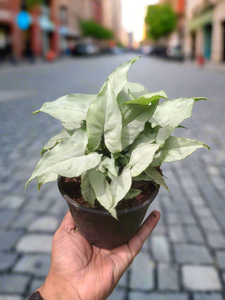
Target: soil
x,y
72,187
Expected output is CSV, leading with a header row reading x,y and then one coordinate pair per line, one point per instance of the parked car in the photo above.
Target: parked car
x,y
158,50
113,50
175,53
86,49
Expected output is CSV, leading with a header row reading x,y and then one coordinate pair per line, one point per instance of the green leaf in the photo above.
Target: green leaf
x,y
171,113
46,177
142,177
68,109
156,176
86,189
130,90
104,118
132,193
119,76
141,157
199,98
67,158
134,119
176,149
147,98
55,140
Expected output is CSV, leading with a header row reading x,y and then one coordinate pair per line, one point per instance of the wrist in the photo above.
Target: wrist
x,y
55,289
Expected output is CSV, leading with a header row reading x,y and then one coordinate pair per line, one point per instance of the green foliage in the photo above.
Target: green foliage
x,y
31,3
120,135
161,20
92,29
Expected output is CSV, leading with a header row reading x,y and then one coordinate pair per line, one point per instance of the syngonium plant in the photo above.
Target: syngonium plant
x,y
120,135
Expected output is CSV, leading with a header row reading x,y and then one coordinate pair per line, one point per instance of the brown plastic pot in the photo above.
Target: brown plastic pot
x,y
99,227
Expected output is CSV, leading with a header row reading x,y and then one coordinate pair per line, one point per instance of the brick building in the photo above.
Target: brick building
x,y
10,35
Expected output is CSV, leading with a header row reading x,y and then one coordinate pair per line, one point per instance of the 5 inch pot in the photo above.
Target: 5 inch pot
x,y
99,227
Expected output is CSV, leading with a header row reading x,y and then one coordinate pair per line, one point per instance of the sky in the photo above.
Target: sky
x,y
133,14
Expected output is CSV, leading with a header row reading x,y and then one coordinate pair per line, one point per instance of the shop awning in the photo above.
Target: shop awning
x,y
46,24
200,21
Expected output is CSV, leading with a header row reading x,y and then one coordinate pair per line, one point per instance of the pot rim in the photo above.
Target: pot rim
x,y
99,211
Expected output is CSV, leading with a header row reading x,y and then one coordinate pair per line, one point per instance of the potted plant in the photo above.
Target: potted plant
x,y
108,157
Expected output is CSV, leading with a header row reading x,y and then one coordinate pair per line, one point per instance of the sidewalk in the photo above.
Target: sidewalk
x,y
184,259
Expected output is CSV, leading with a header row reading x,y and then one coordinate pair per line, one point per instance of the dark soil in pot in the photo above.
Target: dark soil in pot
x,y
96,224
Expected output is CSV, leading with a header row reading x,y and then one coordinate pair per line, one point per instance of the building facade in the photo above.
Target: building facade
x,y
205,29
112,19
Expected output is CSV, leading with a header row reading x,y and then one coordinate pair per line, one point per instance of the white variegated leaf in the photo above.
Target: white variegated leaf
x,y
141,157
120,186
67,158
46,177
68,109
134,119
119,76
104,119
171,113
55,140
101,188
176,149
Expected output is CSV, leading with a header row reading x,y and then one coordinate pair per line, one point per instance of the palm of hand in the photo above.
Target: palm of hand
x,y
90,269
80,271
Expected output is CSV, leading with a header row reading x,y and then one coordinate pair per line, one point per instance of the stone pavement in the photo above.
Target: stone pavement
x,y
184,259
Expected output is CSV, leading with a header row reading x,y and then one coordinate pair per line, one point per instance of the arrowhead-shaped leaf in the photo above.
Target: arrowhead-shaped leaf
x,y
120,186
129,88
176,149
156,176
119,76
171,113
141,157
46,177
104,119
55,140
134,119
132,193
101,188
67,158
68,109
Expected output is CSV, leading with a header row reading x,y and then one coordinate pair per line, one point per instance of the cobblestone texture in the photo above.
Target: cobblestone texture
x,y
184,259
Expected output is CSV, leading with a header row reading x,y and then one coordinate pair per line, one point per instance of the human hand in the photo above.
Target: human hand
x,y
80,271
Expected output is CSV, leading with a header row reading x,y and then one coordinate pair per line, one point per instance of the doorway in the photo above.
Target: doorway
x,y
207,41
223,30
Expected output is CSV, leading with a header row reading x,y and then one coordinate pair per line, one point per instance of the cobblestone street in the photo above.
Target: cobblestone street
x,y
184,259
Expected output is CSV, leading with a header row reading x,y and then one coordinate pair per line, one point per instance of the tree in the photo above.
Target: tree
x,y
161,20
31,3
92,29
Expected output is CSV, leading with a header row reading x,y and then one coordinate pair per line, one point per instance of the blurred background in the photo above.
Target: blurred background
x,y
50,48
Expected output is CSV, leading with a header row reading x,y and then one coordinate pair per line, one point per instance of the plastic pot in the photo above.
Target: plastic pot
x,y
99,227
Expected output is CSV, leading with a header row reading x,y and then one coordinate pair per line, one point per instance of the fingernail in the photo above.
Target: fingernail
x,y
154,213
